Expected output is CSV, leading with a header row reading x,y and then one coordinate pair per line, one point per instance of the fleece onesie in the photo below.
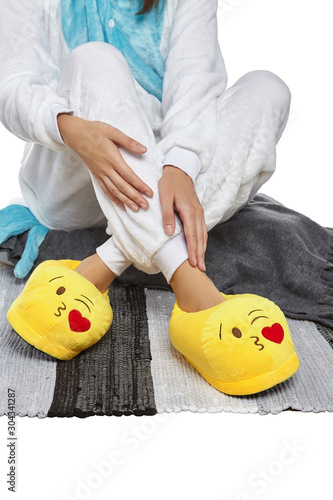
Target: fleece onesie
x,y
161,79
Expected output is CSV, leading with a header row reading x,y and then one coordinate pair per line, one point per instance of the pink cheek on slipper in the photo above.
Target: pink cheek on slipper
x,y
77,322
273,333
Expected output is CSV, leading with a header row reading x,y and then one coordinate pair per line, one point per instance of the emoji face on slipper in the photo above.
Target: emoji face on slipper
x,y
249,333
241,346
59,311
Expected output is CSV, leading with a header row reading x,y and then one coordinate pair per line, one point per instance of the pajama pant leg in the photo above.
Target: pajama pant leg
x,y
252,115
99,86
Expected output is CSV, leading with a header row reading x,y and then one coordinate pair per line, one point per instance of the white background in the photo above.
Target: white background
x,y
217,456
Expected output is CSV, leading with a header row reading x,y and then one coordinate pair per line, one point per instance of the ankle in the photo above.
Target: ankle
x,y
94,270
193,289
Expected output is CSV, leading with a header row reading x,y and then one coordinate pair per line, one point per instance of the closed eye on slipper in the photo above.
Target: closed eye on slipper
x,y
59,311
241,346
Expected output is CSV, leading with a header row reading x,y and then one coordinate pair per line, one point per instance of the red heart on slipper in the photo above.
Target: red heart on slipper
x,y
77,322
274,333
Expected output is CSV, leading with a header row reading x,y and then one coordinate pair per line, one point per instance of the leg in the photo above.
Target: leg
x,y
243,345
252,115
98,85
101,87
236,348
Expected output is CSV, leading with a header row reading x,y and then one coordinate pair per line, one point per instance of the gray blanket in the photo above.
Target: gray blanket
x,y
266,249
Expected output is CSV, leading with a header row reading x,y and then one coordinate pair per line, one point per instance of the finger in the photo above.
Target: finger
x,y
206,238
109,194
191,237
127,193
117,202
201,245
168,214
126,142
205,234
202,242
112,191
130,176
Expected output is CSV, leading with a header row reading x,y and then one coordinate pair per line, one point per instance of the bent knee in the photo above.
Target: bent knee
x,y
269,86
95,51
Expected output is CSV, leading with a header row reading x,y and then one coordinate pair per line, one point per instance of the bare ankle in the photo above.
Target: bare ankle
x,y
193,289
93,269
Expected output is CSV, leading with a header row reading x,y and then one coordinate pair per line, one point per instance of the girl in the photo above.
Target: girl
x,y
128,124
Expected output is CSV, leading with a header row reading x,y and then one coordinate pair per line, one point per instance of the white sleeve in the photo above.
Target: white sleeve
x,y
185,159
51,122
29,76
195,76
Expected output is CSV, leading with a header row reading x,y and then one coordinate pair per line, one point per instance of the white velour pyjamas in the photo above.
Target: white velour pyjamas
x,y
225,139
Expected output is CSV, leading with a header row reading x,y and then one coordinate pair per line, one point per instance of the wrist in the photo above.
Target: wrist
x,y
63,121
173,170
185,159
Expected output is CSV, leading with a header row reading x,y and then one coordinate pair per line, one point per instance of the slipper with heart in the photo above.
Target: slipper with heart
x,y
241,346
59,311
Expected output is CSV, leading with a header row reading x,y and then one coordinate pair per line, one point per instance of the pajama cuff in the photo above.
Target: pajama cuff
x,y
184,159
167,259
173,253
112,257
51,123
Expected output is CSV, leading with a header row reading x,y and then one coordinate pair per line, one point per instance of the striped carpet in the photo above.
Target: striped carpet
x,y
134,369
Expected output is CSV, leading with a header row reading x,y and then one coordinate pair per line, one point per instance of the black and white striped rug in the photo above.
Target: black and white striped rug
x,y
134,369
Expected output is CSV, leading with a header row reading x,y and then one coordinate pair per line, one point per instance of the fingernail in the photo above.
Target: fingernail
x,y
144,206
141,148
168,229
135,208
149,194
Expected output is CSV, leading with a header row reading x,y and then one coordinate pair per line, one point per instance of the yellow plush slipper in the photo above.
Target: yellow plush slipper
x,y
60,312
241,346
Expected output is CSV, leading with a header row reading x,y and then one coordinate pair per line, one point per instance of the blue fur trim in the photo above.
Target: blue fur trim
x,y
137,37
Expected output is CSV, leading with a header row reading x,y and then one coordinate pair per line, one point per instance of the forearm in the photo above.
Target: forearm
x,y
70,128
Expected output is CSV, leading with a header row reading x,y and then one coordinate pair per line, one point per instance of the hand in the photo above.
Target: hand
x,y
177,193
97,145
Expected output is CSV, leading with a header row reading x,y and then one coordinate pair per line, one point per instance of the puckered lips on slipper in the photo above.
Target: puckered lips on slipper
x,y
241,346
59,311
